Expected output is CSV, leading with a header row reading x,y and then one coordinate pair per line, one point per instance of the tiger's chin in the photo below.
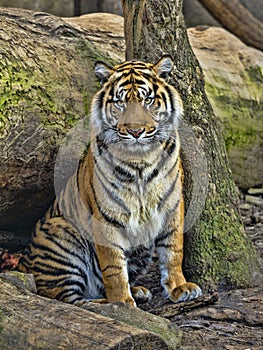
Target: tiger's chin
x,y
139,145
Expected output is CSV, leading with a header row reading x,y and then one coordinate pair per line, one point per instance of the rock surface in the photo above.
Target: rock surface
x,y
49,62
233,81
57,8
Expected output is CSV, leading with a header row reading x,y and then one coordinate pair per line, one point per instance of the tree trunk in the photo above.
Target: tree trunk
x,y
237,19
216,247
28,321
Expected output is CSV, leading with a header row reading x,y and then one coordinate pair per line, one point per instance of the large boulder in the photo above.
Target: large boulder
x,y
57,8
47,81
233,82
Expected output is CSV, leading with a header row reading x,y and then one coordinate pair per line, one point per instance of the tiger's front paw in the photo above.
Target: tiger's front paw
x,y
185,292
141,294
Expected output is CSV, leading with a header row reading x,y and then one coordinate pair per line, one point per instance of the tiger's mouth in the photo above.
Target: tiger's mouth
x,y
137,134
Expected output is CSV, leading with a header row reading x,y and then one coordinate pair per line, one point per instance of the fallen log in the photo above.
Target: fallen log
x,y
237,19
29,321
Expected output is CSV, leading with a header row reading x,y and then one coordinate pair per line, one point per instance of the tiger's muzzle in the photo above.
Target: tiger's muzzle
x,y
136,123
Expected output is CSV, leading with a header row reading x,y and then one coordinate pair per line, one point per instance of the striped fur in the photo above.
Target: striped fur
x,y
124,200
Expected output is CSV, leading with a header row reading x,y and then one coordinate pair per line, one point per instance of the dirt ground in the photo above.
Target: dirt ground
x,y
231,320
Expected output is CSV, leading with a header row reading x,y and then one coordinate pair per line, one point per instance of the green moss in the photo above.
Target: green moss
x,y
256,74
89,51
242,119
225,254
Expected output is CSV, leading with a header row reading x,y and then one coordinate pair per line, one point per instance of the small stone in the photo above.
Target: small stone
x,y
254,200
245,206
21,280
255,191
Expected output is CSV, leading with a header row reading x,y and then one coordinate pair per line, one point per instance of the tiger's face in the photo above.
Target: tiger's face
x,y
135,106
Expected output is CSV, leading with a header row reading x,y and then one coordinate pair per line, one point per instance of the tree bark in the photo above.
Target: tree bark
x,y
216,247
28,321
238,20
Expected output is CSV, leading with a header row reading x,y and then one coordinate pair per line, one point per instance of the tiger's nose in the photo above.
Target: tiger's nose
x,y
136,133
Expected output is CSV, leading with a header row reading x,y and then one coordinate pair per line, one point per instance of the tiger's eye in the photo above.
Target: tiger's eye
x,y
148,100
119,103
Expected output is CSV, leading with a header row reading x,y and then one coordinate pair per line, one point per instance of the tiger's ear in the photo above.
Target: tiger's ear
x,y
164,66
102,71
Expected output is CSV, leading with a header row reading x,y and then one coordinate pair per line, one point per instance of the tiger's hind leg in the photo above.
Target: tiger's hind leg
x,y
63,263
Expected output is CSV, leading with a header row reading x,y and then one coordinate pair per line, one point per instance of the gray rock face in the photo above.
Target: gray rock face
x,y
233,82
57,8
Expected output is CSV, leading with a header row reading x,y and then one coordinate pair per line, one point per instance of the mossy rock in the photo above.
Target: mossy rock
x,y
233,82
47,81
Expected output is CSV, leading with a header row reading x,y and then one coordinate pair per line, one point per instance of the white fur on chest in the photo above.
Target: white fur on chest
x,y
145,224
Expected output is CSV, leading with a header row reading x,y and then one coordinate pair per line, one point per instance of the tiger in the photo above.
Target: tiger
x,y
124,202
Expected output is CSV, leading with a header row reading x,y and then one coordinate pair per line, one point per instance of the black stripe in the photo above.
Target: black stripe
x,y
164,236
72,282
112,196
168,90
123,174
55,272
164,99
63,257
113,274
153,174
75,238
131,72
76,299
47,267
111,92
170,147
172,168
95,263
155,87
141,166
102,146
147,76
169,192
69,293
101,97
164,245
43,248
111,267
51,283
134,64
113,221
63,294
66,252
105,215
119,247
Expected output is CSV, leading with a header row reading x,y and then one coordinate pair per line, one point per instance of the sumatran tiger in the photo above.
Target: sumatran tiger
x,y
124,200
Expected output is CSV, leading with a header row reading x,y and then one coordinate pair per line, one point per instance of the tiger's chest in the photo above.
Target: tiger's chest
x,y
149,209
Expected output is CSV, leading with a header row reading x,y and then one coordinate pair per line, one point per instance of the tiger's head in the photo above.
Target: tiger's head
x,y
135,106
